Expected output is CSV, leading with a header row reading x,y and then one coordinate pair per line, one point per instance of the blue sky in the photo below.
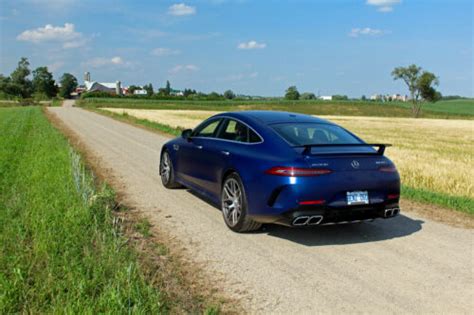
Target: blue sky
x,y
252,47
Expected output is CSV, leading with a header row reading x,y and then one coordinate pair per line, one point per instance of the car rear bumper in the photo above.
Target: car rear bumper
x,y
324,215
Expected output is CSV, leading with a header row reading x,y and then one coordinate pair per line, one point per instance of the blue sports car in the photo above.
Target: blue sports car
x,y
283,168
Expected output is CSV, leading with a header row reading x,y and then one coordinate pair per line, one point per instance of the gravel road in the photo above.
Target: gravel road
x,y
404,265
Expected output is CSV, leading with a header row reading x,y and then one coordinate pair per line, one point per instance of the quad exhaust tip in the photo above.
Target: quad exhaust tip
x,y
315,220
302,220
307,220
389,213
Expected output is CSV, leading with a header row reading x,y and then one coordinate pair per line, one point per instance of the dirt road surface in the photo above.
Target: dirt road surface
x,y
404,265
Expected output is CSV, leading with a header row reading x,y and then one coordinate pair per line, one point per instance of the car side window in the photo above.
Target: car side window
x,y
207,130
237,131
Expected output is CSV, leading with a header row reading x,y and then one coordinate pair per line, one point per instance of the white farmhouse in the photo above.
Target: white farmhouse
x,y
140,92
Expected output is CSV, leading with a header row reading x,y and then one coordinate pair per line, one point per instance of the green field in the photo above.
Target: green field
x,y
457,109
60,251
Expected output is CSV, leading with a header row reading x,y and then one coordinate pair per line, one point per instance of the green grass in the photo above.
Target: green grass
x,y
9,103
56,102
143,227
314,107
462,204
457,107
59,251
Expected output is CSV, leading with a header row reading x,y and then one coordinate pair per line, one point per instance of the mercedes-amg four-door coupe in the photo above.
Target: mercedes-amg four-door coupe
x,y
283,168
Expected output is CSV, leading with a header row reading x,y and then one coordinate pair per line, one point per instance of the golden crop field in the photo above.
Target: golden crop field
x,y
431,154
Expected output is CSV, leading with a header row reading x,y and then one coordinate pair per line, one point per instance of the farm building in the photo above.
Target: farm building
x,y
92,86
326,98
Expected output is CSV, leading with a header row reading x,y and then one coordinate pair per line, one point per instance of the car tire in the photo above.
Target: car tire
x,y
167,171
234,205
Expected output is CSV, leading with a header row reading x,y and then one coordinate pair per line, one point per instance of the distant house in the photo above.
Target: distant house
x,y
176,93
398,97
377,97
140,92
389,98
326,98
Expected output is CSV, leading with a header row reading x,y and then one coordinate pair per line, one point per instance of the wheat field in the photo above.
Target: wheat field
x,y
431,154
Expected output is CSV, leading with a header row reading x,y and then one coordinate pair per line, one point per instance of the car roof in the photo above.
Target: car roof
x,y
271,117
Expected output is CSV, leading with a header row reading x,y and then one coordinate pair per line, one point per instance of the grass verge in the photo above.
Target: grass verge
x,y
63,247
462,204
144,123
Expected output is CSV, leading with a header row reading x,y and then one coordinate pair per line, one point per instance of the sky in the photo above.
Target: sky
x,y
259,47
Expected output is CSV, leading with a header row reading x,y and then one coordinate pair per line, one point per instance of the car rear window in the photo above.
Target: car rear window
x,y
312,133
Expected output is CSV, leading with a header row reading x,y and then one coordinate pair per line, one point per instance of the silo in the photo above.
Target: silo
x,y
87,76
118,88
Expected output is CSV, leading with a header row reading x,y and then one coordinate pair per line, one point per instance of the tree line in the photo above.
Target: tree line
x,y
168,93
420,83
41,86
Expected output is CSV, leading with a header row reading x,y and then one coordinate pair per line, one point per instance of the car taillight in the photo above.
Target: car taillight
x,y
296,171
312,202
393,196
388,169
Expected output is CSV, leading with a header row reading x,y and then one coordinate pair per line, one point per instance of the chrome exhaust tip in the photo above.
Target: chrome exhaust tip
x,y
388,213
315,219
302,220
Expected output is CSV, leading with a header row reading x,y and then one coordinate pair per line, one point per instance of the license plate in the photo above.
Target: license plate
x,y
357,198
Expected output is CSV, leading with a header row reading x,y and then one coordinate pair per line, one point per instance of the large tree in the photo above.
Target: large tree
x,y
43,82
20,85
149,89
168,88
68,85
420,83
292,93
308,96
229,94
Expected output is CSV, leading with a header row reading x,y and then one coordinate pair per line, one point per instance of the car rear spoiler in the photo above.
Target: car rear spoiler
x,y
380,150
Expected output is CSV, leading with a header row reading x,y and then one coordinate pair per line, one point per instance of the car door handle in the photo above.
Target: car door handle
x,y
199,147
225,152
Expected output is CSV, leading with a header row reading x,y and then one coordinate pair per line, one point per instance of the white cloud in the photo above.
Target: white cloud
x,y
183,68
251,45
383,5
367,31
181,9
75,44
162,52
49,33
102,62
116,60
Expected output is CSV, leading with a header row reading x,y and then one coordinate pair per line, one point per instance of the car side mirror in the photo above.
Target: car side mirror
x,y
186,134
